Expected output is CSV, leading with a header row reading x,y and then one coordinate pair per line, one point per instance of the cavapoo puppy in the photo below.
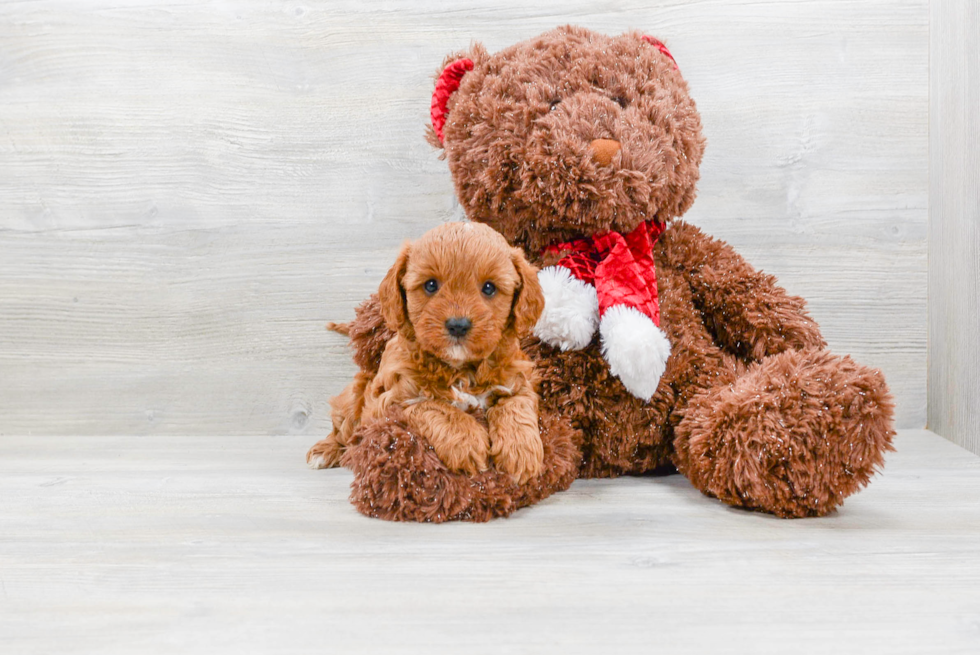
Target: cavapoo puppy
x,y
459,299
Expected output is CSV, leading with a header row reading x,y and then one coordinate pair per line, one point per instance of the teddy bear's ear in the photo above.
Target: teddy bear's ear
x,y
446,84
659,45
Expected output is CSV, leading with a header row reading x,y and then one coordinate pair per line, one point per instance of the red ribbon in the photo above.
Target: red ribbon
x,y
620,267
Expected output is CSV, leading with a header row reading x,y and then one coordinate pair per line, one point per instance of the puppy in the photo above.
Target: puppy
x,y
459,299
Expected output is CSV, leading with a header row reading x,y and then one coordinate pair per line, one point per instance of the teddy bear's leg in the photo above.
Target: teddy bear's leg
x,y
794,435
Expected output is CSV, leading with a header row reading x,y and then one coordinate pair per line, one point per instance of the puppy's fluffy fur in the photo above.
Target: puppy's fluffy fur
x,y
471,396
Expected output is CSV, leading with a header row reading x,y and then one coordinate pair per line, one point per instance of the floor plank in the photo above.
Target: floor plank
x,y
213,545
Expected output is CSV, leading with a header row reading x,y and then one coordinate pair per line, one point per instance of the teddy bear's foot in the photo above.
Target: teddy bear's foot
x,y
398,476
794,436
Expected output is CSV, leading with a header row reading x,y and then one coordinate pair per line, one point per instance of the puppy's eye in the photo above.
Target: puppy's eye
x,y
621,101
554,104
431,286
489,289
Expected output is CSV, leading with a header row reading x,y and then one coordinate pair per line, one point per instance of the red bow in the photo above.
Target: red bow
x,y
620,267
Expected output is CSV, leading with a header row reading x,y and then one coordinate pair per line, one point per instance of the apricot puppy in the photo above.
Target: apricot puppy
x,y
459,299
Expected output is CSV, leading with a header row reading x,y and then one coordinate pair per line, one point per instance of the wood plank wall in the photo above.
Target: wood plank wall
x,y
189,191
954,223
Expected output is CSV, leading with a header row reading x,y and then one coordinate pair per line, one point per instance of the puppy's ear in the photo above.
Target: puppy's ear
x,y
391,293
528,299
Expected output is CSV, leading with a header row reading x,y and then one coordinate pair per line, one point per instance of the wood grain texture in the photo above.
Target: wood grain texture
x,y
229,545
188,191
954,223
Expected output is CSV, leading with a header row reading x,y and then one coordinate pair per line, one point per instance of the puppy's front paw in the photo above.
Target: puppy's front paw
x,y
468,451
324,454
517,451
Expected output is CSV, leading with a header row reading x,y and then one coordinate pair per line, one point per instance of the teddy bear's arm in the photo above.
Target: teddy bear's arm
x,y
749,314
368,334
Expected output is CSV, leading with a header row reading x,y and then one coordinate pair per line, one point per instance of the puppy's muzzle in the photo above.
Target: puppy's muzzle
x,y
458,326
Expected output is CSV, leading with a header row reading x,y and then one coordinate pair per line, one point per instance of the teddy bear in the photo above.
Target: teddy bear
x,y
660,345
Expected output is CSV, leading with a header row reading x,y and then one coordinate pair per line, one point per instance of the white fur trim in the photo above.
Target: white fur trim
x,y
635,349
571,310
467,401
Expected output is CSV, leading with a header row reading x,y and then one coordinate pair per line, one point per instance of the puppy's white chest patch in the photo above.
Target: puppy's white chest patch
x,y
465,401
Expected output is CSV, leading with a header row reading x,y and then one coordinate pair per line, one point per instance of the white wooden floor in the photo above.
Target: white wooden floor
x,y
191,545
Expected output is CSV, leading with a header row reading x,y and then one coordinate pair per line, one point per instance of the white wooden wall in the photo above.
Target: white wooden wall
x,y
188,191
954,224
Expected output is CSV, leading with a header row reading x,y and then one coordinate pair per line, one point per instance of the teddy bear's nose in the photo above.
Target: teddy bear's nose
x,y
603,150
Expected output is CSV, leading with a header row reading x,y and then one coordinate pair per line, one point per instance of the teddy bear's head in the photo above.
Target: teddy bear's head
x,y
568,134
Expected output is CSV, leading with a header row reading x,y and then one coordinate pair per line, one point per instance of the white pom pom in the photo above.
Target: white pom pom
x,y
571,310
635,349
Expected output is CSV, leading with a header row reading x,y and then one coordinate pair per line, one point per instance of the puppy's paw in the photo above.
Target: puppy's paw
x,y
518,452
324,454
468,452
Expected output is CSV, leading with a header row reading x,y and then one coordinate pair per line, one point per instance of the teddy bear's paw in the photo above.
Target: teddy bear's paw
x,y
635,349
571,310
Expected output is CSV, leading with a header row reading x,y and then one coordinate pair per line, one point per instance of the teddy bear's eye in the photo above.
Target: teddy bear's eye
x,y
554,104
489,289
431,286
621,101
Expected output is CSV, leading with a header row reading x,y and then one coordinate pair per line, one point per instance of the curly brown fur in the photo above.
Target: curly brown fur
x,y
441,374
399,477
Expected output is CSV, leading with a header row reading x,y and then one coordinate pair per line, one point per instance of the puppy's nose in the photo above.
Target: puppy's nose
x,y
458,326
603,150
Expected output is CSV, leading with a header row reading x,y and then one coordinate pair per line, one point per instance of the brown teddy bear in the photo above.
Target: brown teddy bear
x,y
661,345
